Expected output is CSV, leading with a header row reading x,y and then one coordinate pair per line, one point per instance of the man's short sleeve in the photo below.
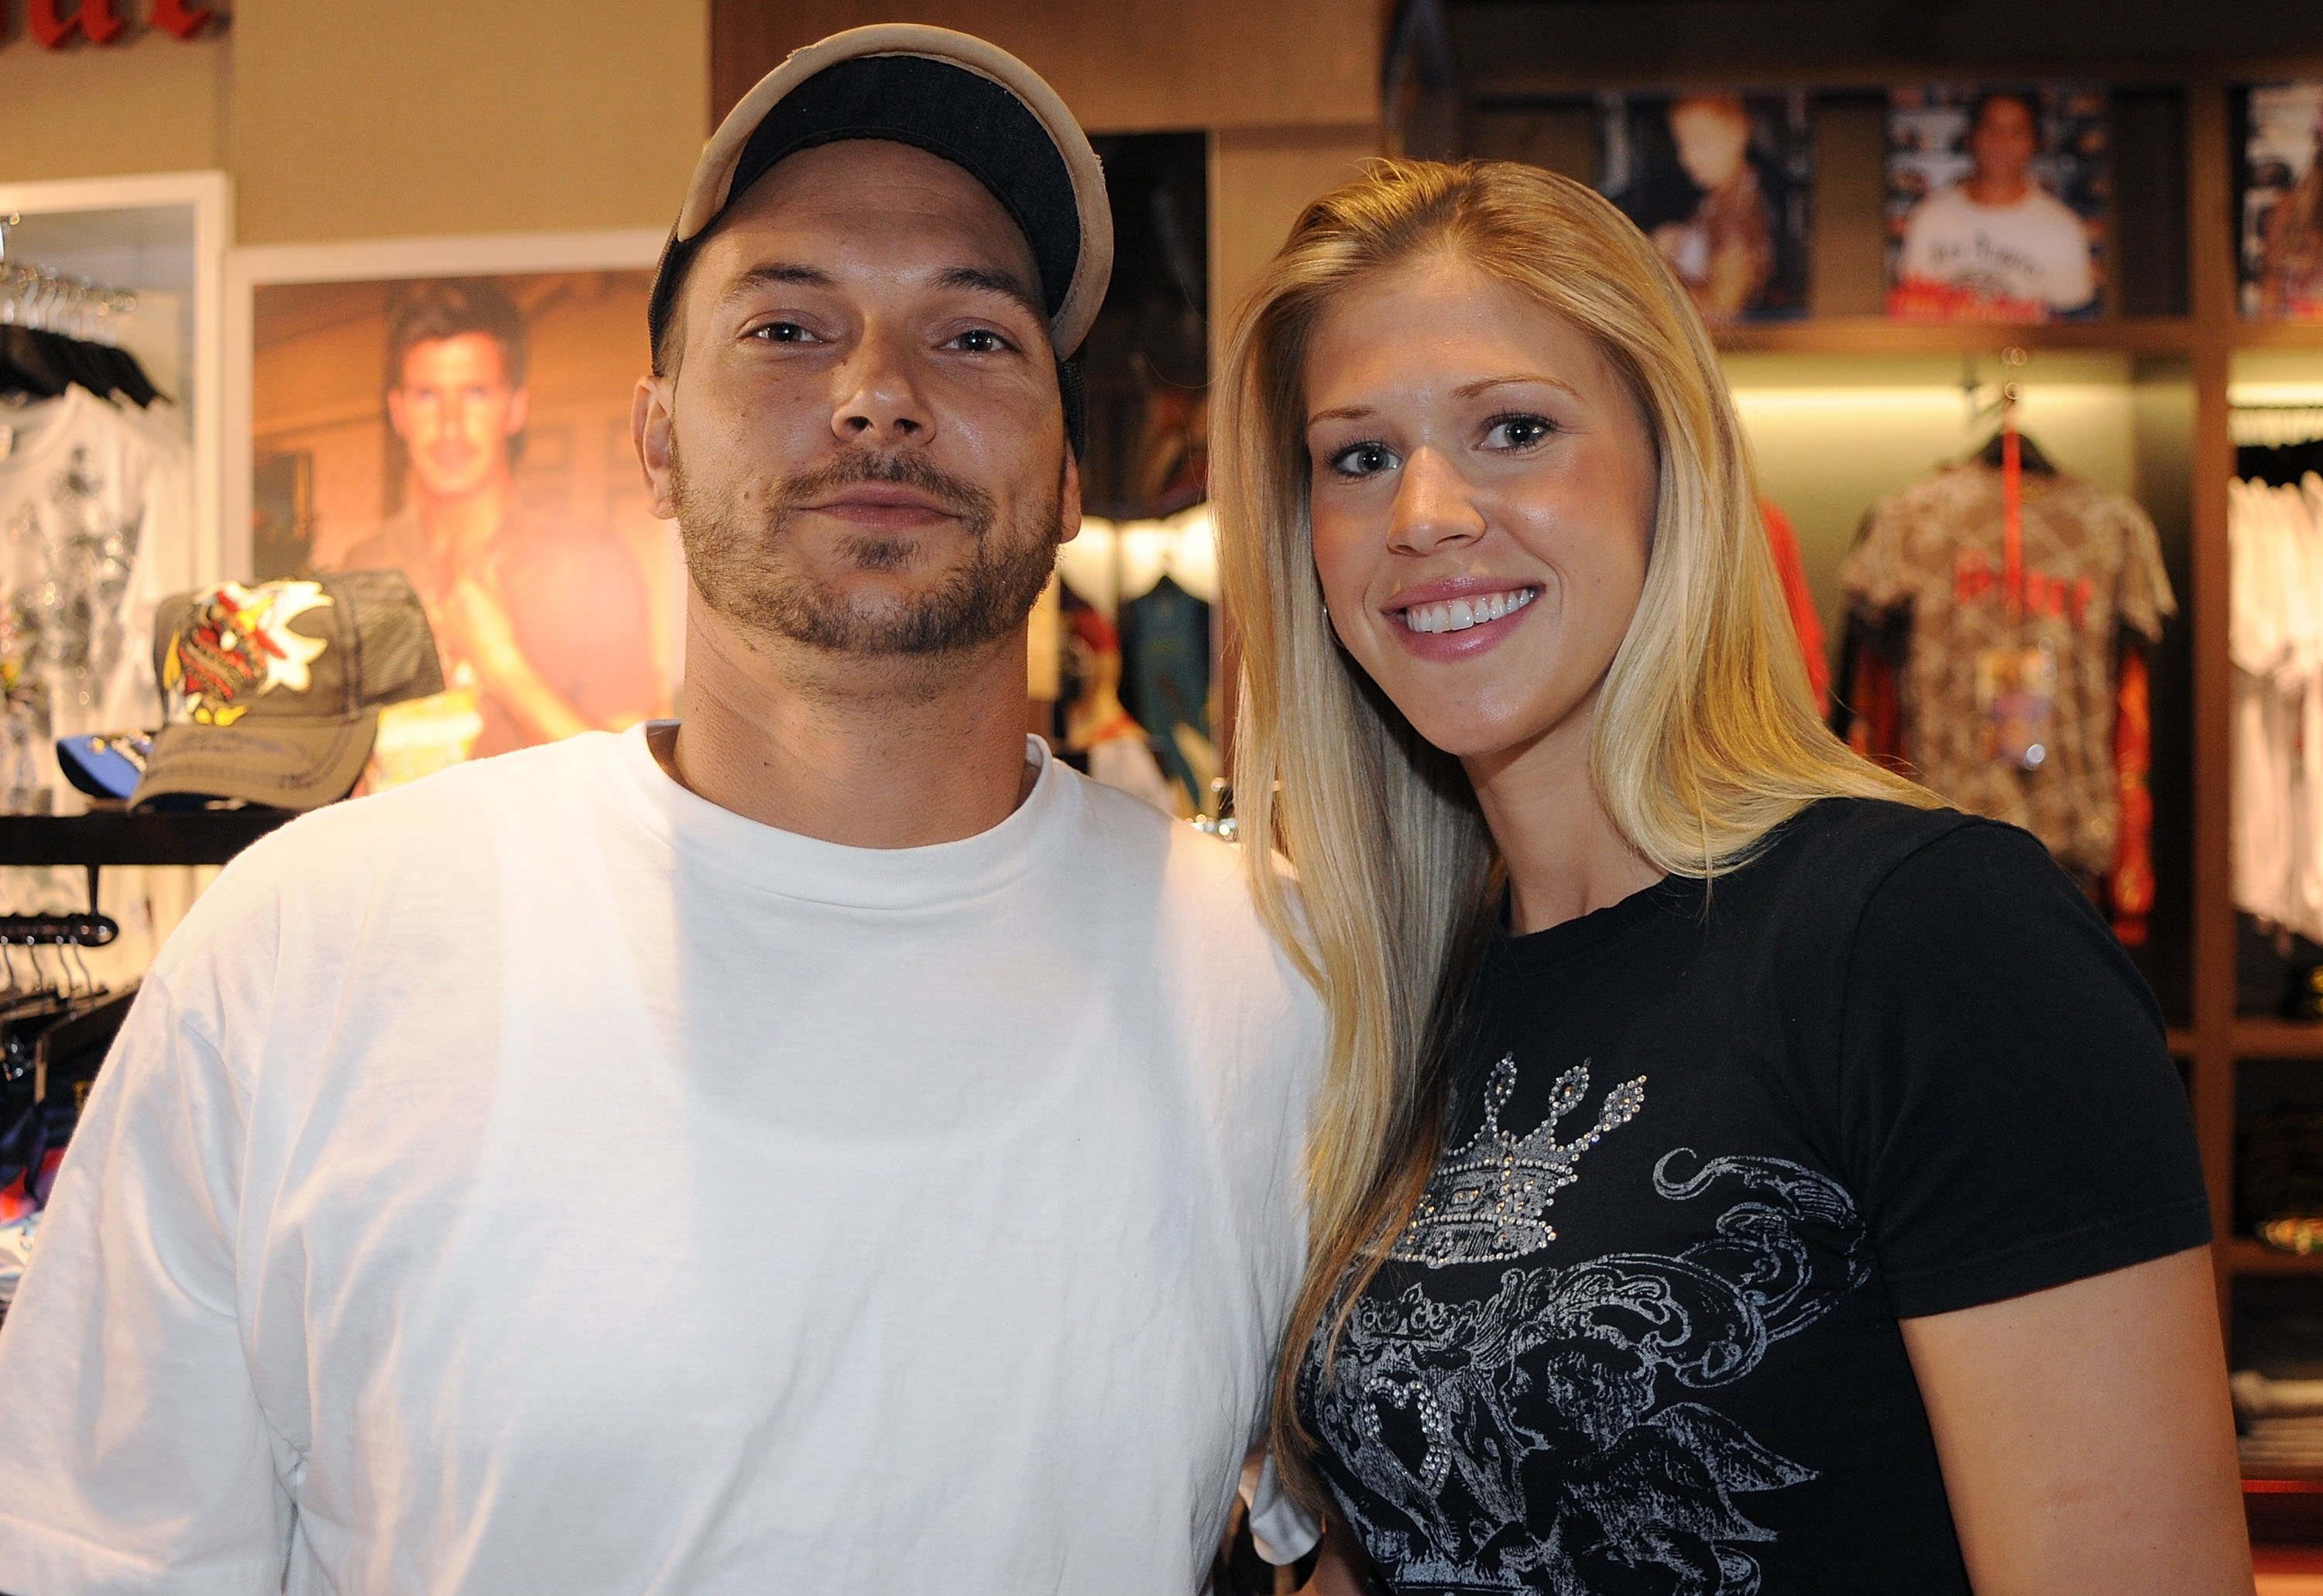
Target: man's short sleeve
x,y
133,1456
2009,1114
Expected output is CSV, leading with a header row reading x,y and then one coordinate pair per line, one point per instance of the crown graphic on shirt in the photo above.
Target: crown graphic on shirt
x,y
1489,1200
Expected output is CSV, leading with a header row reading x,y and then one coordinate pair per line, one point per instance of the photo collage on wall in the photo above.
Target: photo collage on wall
x,y
1721,182
473,433
1998,200
2281,256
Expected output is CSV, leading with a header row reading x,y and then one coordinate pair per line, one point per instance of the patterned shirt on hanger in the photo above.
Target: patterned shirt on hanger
x,y
2091,566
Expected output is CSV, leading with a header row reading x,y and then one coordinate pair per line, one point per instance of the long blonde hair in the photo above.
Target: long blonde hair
x,y
1706,736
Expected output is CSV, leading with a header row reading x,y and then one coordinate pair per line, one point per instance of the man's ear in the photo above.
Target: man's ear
x,y
395,416
652,430
520,411
1068,500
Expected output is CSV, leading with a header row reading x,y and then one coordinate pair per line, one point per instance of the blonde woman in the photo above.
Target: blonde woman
x,y
1736,1172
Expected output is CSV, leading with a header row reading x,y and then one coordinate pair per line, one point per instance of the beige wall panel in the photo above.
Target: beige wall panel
x,y
442,116
1124,66
148,104
1261,179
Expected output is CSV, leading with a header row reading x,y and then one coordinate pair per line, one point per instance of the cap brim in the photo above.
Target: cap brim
x,y
91,765
713,187
277,762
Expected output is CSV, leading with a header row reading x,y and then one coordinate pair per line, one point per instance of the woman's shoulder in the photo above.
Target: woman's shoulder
x,y
1853,843
1847,868
1893,896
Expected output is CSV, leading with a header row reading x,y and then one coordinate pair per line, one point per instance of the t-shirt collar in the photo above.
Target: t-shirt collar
x,y
807,868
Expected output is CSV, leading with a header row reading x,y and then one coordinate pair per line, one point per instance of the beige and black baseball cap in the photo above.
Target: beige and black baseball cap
x,y
271,692
949,93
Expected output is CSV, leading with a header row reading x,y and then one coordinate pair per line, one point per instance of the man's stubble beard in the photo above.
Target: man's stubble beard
x,y
737,563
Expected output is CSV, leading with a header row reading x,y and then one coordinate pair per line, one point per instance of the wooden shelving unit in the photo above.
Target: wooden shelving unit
x,y
1871,335
2245,1257
2205,341
2207,338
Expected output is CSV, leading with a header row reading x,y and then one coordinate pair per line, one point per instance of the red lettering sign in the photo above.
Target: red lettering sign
x,y
53,23
93,18
179,20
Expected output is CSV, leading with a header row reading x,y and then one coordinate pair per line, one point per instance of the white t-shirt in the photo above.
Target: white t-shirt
x,y
96,506
538,1179
2034,249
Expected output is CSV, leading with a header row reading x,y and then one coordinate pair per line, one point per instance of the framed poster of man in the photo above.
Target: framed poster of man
x,y
471,429
1719,181
1996,202
2282,253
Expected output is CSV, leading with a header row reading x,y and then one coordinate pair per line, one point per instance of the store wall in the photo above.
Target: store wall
x,y
363,121
147,104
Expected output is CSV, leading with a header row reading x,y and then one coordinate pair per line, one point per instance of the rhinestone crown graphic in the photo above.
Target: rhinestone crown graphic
x,y
1489,1199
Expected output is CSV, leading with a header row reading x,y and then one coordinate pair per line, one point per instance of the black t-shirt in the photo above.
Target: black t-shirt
x,y
1710,1146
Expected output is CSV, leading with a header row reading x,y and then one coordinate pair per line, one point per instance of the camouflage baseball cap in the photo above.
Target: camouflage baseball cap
x,y
273,691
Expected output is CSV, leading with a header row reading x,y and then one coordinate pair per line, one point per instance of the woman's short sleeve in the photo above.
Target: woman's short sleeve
x,y
2009,1116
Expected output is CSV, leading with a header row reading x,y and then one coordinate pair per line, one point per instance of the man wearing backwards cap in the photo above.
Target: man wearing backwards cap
x,y
826,1146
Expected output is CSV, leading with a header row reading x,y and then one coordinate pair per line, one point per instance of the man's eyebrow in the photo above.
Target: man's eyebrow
x,y
984,279
782,272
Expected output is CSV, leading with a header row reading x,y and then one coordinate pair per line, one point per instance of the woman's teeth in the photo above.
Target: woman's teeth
x,y
1457,615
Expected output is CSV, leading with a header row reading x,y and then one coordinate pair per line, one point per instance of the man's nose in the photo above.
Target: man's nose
x,y
880,402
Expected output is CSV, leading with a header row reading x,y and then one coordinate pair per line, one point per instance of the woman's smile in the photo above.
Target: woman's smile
x,y
1458,619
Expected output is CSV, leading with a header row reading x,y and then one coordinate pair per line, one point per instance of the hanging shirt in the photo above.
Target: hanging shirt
x,y
1165,679
1798,598
2032,253
2091,564
95,528
2275,640
538,1179
1709,1146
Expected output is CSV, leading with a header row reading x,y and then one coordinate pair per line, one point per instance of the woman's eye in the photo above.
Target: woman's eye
x,y
781,332
980,340
1518,432
1363,460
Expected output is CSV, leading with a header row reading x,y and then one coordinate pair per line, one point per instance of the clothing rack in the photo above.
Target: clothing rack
x,y
2276,426
58,331
39,297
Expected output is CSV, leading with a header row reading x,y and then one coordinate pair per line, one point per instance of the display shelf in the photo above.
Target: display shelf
x,y
2283,1508
2245,1256
1875,334
2278,1039
107,838
2278,334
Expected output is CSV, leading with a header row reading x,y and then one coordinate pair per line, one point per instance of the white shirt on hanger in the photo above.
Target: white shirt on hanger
x,y
1114,562
96,529
539,1179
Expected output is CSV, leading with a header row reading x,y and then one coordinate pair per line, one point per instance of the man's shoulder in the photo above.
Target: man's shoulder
x,y
397,544
1190,891
536,540
1946,207
436,827
1128,832
2048,211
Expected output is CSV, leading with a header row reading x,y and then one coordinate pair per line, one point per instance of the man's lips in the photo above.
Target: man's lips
x,y
869,497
